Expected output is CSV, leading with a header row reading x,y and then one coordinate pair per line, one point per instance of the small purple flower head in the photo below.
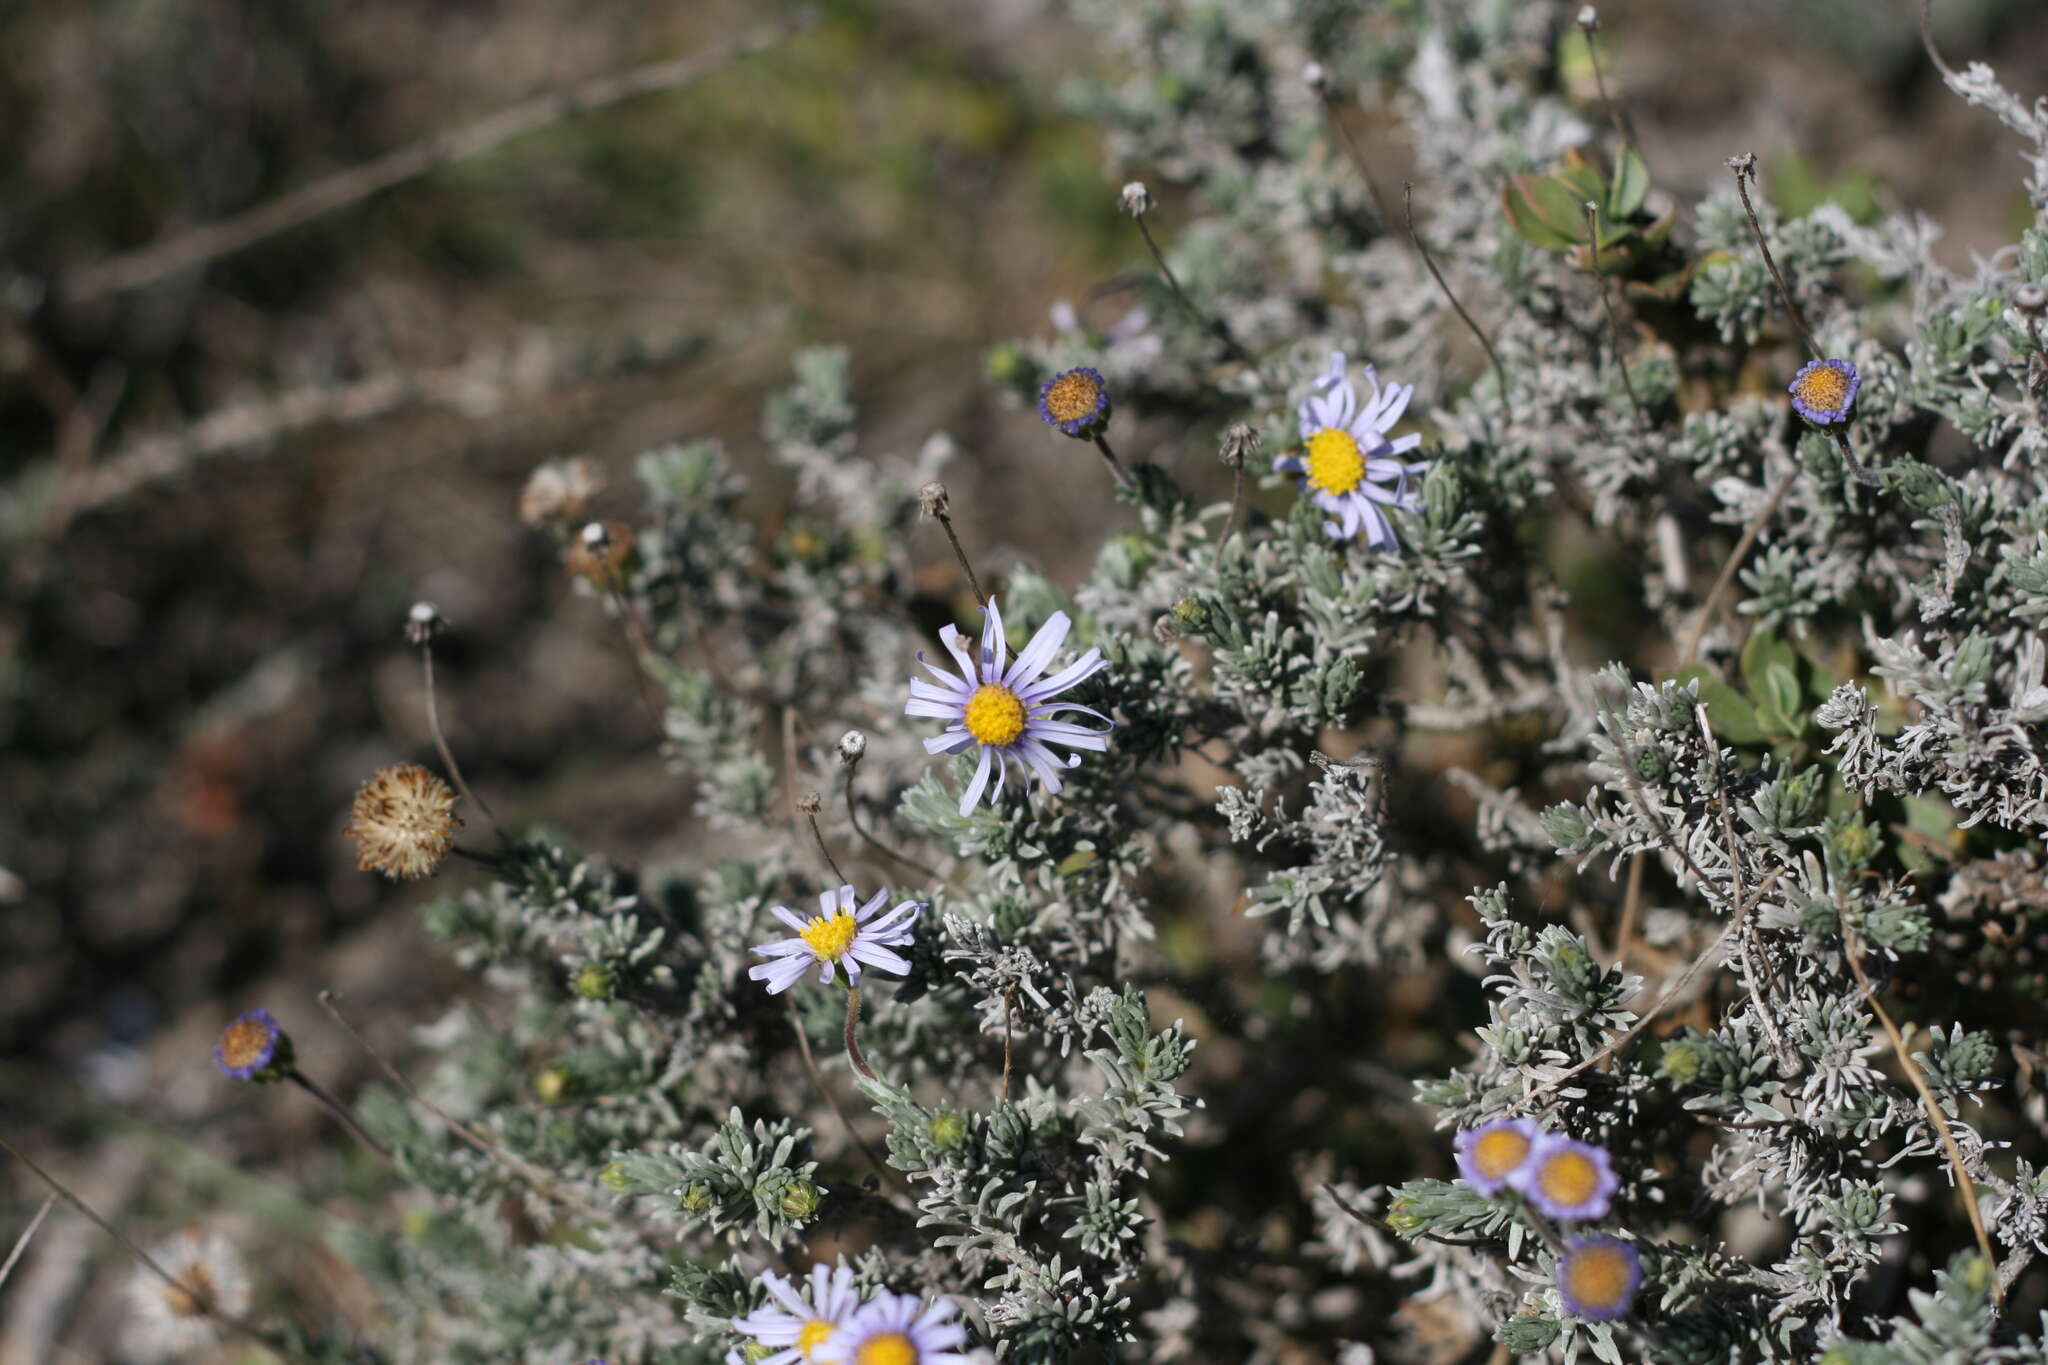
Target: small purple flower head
x,y
897,1329
1348,465
1598,1277
1573,1182
1076,401
253,1048
1824,390
1489,1154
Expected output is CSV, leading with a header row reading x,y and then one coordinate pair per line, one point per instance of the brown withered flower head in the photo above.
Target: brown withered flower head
x,y
560,491
601,552
403,821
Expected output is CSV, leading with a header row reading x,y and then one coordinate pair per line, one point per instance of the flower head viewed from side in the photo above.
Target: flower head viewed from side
x,y
1006,707
1350,469
403,821
1573,1182
797,1324
1076,401
177,1320
837,936
1824,391
897,1329
253,1048
1491,1153
1598,1277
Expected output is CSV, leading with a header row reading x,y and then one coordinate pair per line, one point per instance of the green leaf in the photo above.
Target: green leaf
x,y
1514,198
1781,693
1631,186
1730,713
1763,650
1557,204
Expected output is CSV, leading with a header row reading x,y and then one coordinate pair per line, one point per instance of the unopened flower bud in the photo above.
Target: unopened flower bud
x,y
1589,18
695,1199
1315,78
423,623
801,1200
852,745
1240,443
553,1084
931,500
615,1179
594,981
1136,199
947,1130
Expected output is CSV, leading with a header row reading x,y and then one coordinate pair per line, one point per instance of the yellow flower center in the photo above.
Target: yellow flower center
x,y
1335,463
1569,1178
1597,1276
244,1042
830,938
1824,388
995,715
814,1331
1500,1151
890,1348
1072,397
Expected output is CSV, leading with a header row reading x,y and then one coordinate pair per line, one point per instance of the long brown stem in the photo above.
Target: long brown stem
x,y
803,1047
1500,373
337,1111
212,241
1613,322
1116,466
1214,327
1735,558
853,1052
945,520
441,740
853,816
28,1235
1744,167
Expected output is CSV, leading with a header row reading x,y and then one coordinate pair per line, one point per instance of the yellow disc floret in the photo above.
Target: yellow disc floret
x,y
1598,1276
830,938
1335,463
888,1348
244,1042
1569,1178
1499,1152
1073,396
994,715
1824,388
813,1332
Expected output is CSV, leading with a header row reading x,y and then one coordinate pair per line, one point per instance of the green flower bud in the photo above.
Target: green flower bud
x,y
553,1085
947,1130
594,981
801,1200
695,1199
615,1179
1680,1063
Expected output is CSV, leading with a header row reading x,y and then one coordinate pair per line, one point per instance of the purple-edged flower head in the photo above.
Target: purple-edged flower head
x,y
1571,1181
897,1329
795,1322
1076,401
253,1048
1006,707
838,936
1348,466
1489,1154
1824,390
1598,1277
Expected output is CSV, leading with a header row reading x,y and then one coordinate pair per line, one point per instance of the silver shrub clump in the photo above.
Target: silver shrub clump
x,y
1760,937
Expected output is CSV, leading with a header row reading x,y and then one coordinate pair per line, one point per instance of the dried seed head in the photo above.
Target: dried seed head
x,y
1589,18
596,538
1316,78
1742,165
1136,199
931,500
403,822
423,623
852,745
2030,299
1240,443
810,803
601,552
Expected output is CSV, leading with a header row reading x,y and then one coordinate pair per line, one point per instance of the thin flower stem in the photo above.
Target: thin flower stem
x,y
1009,1037
945,520
1614,114
1735,558
1613,322
28,1235
803,1047
1631,901
441,740
198,1296
1116,466
1744,167
338,1111
477,856
1357,155
1965,1187
1214,327
1236,504
853,1052
811,815
1500,373
637,640
853,816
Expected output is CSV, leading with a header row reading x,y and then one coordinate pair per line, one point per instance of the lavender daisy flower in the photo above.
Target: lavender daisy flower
x,y
897,1329
1598,1277
1824,390
839,936
1573,1182
1350,463
798,1323
1489,1154
253,1047
1076,401
1007,708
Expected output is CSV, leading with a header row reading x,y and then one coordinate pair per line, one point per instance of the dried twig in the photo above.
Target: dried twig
x,y
1735,558
1500,373
198,246
27,1235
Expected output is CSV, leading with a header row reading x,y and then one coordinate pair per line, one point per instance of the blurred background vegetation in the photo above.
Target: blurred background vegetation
x,y
220,491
